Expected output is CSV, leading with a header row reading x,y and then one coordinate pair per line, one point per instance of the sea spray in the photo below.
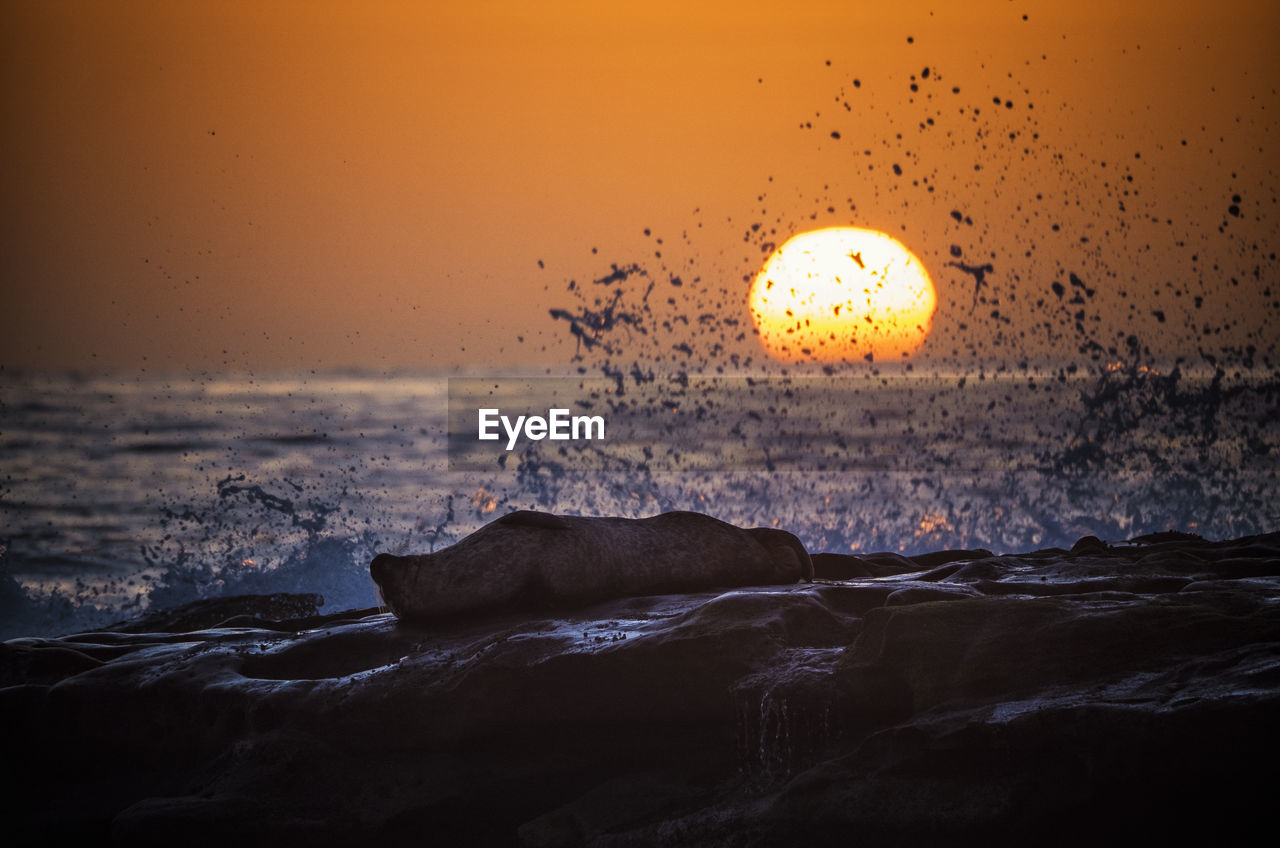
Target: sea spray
x,y
253,541
1073,384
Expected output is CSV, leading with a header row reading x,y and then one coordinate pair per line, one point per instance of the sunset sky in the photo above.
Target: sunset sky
x,y
250,186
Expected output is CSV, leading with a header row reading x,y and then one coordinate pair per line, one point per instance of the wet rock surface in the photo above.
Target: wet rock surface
x,y
1110,693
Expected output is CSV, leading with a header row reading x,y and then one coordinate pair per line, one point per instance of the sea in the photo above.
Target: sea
x,y
123,493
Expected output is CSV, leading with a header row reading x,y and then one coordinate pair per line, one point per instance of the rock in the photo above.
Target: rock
x,y
1089,545
35,661
937,558
847,566
1121,693
211,612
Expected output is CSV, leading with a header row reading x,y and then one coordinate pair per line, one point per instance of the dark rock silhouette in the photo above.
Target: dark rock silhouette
x,y
1115,692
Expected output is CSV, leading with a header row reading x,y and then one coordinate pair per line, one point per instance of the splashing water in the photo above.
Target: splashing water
x,y
1063,392
784,717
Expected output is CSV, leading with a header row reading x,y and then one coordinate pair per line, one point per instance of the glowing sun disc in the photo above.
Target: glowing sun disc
x,y
842,293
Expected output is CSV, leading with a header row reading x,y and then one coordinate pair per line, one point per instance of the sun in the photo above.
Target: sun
x,y
842,293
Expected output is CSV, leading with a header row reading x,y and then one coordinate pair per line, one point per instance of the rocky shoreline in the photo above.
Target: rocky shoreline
x,y
1109,693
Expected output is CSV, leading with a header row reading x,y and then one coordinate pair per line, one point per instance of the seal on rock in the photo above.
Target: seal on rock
x,y
530,560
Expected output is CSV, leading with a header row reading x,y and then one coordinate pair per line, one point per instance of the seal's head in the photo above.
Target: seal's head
x,y
787,551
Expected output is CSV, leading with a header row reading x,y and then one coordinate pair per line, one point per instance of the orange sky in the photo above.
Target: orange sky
x,y
246,185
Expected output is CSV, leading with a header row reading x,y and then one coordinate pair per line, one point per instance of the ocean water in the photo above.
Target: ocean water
x,y
127,493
